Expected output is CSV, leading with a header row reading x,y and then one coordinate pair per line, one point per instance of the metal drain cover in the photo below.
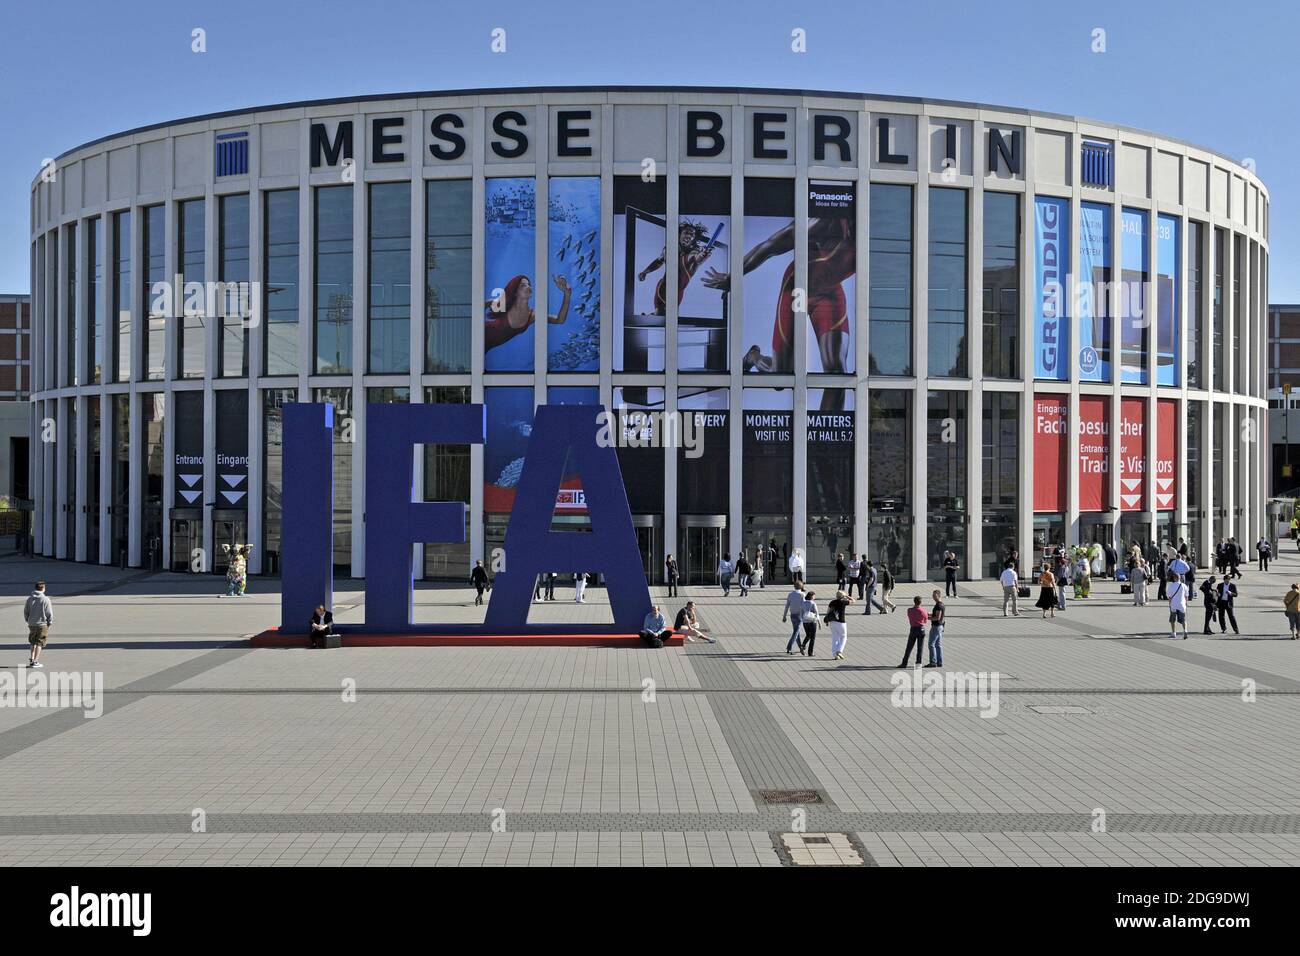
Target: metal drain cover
x,y
790,796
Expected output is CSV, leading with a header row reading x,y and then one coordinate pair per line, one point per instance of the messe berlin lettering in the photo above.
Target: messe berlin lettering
x,y
396,519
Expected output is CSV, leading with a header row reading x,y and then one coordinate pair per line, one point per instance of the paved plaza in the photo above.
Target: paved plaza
x,y
1111,745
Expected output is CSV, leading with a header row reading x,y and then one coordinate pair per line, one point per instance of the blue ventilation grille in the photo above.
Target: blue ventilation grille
x,y
232,154
1098,165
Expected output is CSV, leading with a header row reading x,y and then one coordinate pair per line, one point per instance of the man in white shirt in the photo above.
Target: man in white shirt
x,y
1177,591
579,585
1179,567
1010,590
796,566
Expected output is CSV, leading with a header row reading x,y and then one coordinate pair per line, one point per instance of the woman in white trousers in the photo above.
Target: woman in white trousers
x,y
579,585
839,629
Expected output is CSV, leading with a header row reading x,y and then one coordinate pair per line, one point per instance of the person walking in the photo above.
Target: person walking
x,y
1062,579
885,578
1177,591
864,572
579,587
835,619
670,571
1181,568
1047,593
1112,559
1227,596
841,572
1234,557
38,612
796,565
1209,594
809,623
851,573
1265,550
724,574
1162,572
794,614
869,583
1138,580
1010,581
949,574
1291,601
938,614
916,621
478,577
743,571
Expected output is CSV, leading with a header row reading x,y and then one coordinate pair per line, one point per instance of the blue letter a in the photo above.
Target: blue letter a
x,y
561,432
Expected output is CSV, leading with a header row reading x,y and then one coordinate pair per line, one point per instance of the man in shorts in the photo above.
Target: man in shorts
x,y
39,614
1176,588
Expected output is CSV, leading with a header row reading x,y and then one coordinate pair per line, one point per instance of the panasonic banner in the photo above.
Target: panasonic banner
x,y
1052,266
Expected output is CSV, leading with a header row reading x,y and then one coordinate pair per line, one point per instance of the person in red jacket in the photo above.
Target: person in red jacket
x,y
917,618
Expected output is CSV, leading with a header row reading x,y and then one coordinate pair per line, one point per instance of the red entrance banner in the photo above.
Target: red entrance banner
x,y
1051,432
1094,453
1166,490
1132,454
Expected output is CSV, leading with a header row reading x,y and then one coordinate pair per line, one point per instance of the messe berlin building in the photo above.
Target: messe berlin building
x,y
900,326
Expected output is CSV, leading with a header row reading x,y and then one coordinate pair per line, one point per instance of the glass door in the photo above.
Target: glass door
x,y
185,537
227,529
701,549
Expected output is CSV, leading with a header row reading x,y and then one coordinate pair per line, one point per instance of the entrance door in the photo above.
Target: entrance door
x,y
645,543
229,528
701,549
186,534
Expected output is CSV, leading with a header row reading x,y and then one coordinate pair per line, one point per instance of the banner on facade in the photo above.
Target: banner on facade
x,y
1051,435
1094,453
1051,265
1132,454
1166,453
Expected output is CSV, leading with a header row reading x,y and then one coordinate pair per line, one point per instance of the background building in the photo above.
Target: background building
x,y
15,416
1283,360
896,325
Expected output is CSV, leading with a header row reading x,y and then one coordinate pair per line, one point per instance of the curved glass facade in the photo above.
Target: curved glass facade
x,y
828,322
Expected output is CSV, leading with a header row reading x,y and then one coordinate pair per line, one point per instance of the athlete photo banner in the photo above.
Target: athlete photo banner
x,y
1051,435
703,273
832,281
509,266
772,310
1094,298
1051,271
573,251
1094,453
1132,454
640,246
1166,453
1168,282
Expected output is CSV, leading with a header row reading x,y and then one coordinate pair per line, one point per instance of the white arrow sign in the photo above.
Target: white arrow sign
x,y
233,496
1164,501
1131,499
190,479
190,495
233,480
1164,483
1131,483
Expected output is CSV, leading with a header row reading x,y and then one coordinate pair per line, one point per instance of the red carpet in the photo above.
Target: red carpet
x,y
273,638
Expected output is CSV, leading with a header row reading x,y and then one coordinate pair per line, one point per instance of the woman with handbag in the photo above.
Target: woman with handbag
x,y
809,623
1047,595
835,620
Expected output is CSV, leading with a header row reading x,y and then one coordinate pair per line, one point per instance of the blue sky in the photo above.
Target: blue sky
x,y
1222,75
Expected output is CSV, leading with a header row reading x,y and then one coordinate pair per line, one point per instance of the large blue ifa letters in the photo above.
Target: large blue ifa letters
x,y
395,520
